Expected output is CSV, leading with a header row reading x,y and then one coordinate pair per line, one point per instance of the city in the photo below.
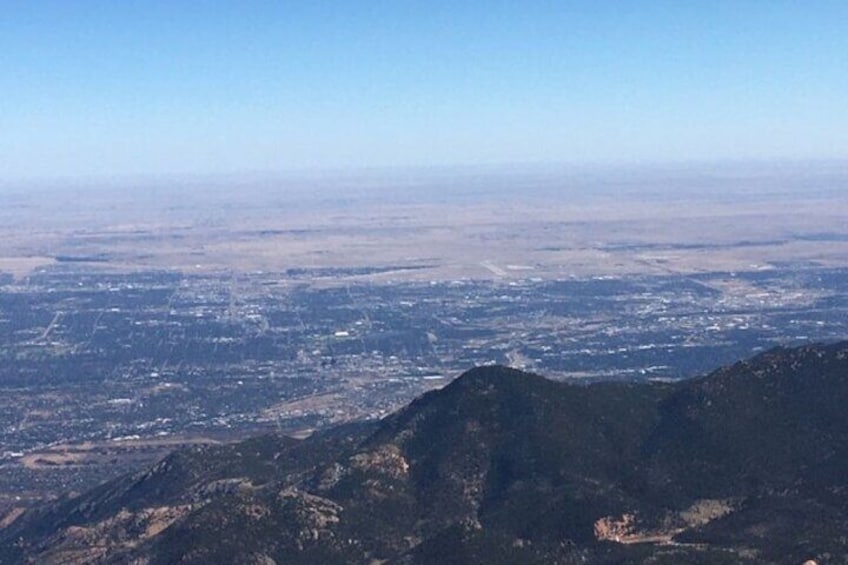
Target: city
x,y
103,372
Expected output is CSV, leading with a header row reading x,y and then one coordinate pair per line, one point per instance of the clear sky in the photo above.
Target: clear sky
x,y
128,87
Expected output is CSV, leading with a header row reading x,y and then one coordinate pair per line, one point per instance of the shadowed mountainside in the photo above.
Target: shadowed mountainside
x,y
746,464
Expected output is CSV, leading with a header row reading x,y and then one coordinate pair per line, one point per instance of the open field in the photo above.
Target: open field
x,y
553,227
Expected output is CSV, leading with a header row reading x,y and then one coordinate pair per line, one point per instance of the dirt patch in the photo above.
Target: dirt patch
x,y
626,528
21,267
11,516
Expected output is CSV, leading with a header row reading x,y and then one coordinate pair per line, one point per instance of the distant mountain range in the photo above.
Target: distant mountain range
x,y
746,465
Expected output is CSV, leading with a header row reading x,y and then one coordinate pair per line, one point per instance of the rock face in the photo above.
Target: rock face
x,y
747,464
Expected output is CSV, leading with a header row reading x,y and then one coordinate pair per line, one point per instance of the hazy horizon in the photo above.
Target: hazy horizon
x,y
520,180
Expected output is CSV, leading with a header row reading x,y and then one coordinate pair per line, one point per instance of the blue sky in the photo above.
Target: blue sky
x,y
122,87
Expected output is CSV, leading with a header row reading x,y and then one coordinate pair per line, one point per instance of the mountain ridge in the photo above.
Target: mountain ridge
x,y
745,464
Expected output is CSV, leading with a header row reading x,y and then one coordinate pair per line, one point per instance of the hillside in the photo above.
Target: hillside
x,y
746,464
